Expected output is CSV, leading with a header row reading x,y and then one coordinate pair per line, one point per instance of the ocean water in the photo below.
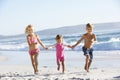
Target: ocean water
x,y
107,40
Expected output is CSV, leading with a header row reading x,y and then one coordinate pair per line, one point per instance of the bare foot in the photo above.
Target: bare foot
x,y
87,70
63,71
36,72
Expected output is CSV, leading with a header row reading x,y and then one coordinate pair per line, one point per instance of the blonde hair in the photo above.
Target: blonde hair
x,y
89,25
29,27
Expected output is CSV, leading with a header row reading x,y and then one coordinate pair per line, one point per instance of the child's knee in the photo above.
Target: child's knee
x,y
90,60
87,56
62,62
58,63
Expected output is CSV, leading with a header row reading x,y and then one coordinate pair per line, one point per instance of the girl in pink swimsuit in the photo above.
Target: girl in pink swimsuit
x,y
60,52
33,41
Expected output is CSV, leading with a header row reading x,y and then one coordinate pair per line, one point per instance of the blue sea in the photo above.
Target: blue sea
x,y
107,40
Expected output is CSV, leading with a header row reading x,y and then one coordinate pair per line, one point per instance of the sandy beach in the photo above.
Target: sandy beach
x,y
16,65
47,73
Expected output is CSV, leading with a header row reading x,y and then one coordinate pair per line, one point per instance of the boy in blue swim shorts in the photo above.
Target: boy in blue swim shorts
x,y
89,39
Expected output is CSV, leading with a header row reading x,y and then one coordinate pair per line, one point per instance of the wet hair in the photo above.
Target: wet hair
x,y
29,26
89,25
59,36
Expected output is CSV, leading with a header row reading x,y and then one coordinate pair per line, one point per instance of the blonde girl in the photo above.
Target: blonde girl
x,y
33,41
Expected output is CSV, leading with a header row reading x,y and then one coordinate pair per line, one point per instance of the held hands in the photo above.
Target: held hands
x,y
49,47
46,48
69,46
73,46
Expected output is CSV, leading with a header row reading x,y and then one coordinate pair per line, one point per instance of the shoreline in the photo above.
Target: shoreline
x,y
48,58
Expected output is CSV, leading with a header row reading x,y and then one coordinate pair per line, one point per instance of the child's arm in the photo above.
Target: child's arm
x,y
50,47
40,42
68,46
28,40
95,39
78,42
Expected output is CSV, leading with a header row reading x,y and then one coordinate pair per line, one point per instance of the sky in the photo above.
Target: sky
x,y
15,15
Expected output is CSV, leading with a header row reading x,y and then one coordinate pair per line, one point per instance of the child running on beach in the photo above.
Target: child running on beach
x,y
33,41
60,52
89,38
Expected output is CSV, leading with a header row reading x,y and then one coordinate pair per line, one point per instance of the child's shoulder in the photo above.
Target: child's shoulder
x,y
85,34
36,35
28,36
93,34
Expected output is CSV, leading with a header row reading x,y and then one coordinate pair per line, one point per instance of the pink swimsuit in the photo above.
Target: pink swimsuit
x,y
33,40
60,52
34,51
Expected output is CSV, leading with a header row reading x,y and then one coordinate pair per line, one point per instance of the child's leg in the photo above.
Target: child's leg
x,y
36,62
33,62
91,57
89,64
63,67
86,63
58,65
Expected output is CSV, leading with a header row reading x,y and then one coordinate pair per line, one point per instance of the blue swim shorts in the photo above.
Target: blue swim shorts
x,y
88,51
